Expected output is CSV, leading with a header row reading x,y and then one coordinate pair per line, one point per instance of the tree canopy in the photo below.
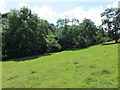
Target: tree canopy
x,y
24,33
111,21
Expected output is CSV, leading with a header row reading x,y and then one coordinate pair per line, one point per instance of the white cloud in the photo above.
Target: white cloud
x,y
24,4
2,6
61,1
42,11
46,12
93,13
79,13
113,5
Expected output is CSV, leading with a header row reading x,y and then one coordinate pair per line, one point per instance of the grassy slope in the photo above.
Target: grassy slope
x,y
96,66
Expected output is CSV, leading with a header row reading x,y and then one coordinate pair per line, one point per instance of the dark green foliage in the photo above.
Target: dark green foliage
x,y
89,32
102,36
78,35
21,34
24,34
111,21
52,43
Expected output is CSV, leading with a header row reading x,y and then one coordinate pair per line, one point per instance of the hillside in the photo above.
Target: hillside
x,y
92,67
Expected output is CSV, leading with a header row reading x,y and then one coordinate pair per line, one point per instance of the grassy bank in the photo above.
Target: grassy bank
x,y
93,67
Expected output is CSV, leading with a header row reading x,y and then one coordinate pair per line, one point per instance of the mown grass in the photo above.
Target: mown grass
x,y
93,67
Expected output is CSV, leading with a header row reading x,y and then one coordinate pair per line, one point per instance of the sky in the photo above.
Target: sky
x,y
52,10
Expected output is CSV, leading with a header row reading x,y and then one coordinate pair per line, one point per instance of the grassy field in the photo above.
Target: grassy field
x,y
93,67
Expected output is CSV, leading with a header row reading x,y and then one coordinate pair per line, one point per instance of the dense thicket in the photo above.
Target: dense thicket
x,y
25,34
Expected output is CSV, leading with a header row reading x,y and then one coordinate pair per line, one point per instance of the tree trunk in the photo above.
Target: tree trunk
x,y
116,40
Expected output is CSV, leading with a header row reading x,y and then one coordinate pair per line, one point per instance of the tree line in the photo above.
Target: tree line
x,y
26,34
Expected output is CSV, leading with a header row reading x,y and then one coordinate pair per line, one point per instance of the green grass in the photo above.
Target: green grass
x,y
93,67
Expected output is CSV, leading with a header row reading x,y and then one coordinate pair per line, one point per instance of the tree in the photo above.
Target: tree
x,y
21,34
89,30
52,43
75,22
111,22
77,35
62,25
11,23
25,34
102,35
52,39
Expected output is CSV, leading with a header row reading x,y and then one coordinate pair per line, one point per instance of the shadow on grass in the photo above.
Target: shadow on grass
x,y
28,57
47,54
109,43
75,49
